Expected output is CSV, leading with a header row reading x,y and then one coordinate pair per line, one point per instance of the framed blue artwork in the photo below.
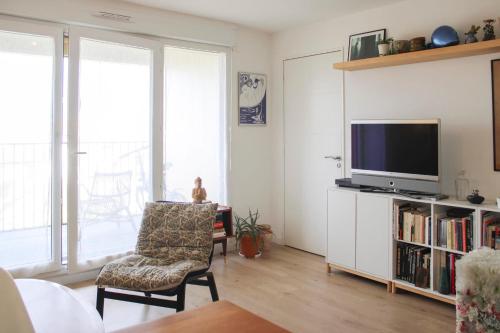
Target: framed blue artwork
x,y
252,98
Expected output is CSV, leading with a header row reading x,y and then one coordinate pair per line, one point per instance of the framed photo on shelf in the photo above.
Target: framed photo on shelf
x,y
364,45
495,89
252,98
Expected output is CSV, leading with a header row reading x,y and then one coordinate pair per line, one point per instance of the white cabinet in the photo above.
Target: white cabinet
x,y
341,228
358,234
372,234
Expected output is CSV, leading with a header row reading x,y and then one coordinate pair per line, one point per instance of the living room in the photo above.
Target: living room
x,y
112,109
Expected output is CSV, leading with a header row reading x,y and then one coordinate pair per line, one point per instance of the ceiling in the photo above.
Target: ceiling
x,y
266,15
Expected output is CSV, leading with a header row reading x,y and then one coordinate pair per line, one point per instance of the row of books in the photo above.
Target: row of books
x,y
446,272
455,233
491,230
413,224
413,264
219,230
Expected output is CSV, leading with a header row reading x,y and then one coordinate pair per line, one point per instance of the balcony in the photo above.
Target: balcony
x,y
114,182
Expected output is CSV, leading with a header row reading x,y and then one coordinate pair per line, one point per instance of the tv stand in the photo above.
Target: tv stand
x,y
408,194
363,237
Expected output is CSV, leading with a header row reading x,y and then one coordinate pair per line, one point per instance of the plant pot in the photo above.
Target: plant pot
x,y
249,247
383,49
266,235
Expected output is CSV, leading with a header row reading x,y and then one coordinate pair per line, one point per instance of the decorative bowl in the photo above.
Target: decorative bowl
x,y
475,199
444,36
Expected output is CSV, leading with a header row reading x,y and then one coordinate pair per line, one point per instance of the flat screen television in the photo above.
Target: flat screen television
x,y
396,154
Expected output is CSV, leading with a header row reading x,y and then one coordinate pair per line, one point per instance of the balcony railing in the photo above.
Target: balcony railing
x,y
25,186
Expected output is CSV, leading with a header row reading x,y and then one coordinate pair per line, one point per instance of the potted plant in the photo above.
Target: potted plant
x,y
247,233
383,46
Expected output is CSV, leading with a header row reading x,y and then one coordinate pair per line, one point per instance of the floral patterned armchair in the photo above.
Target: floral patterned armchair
x,y
478,292
174,248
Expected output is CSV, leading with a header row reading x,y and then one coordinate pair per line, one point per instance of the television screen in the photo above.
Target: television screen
x,y
399,148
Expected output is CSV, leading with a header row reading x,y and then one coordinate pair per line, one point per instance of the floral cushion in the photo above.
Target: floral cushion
x,y
136,272
174,240
478,292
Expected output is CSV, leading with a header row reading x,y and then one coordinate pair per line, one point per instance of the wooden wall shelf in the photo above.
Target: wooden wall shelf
x,y
458,51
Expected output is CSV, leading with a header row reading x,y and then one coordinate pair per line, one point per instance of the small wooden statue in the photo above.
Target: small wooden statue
x,y
199,194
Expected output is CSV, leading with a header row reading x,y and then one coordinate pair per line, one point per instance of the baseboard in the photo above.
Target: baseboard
x,y
279,241
73,278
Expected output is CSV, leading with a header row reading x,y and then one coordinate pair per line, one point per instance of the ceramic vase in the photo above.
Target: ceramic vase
x,y
383,49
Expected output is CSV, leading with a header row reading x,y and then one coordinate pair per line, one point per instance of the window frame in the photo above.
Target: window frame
x,y
56,32
226,98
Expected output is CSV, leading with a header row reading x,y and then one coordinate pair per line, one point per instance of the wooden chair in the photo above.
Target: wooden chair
x,y
174,248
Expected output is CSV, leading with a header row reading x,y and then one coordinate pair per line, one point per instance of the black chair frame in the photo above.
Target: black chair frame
x,y
194,278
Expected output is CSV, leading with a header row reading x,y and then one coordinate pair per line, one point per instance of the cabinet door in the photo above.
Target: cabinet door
x,y
372,234
341,244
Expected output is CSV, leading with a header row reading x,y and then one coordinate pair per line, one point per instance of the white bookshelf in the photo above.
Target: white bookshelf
x,y
360,222
437,210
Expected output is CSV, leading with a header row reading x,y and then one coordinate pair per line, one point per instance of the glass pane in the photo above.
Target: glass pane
x,y
26,86
195,127
114,143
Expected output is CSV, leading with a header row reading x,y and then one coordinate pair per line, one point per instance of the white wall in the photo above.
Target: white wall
x,y
457,91
251,148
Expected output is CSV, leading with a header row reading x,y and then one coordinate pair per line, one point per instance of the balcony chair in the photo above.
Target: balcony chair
x,y
174,248
108,200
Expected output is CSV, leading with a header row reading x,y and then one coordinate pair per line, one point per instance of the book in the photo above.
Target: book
x,y
428,228
218,225
452,273
412,224
446,274
413,264
455,233
491,230
219,234
464,235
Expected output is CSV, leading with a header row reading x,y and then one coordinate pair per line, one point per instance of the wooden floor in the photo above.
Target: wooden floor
x,y
292,289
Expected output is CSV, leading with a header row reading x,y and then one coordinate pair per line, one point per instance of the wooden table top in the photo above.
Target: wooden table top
x,y
218,317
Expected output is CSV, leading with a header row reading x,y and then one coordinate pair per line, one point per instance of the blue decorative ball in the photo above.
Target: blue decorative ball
x,y
444,36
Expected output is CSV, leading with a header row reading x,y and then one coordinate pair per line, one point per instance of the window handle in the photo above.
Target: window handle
x,y
336,158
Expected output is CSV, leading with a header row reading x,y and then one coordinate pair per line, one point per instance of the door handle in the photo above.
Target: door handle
x,y
336,158
80,153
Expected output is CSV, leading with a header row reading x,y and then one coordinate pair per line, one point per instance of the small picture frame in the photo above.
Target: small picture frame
x,y
252,95
365,45
495,92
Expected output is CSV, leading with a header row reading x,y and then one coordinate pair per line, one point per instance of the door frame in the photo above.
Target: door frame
x,y
343,131
76,33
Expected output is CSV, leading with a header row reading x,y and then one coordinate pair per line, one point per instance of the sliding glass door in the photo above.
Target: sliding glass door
x,y
78,164
110,143
30,150
195,123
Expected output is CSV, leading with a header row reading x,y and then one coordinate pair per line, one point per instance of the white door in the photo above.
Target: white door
x,y
110,132
341,247
313,123
372,234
